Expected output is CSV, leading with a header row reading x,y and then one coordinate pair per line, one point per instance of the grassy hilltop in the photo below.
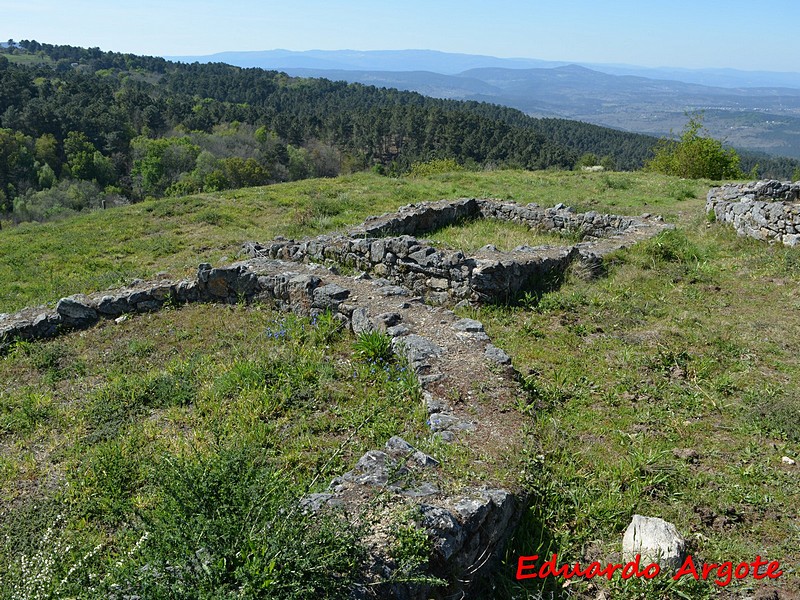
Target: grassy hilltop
x,y
157,456
42,262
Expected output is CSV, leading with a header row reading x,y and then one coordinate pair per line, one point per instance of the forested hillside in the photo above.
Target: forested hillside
x,y
81,128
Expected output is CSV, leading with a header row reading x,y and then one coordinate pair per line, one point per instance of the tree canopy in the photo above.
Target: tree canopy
x,y
128,127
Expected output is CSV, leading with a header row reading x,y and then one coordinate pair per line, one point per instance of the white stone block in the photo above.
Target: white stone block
x,y
656,540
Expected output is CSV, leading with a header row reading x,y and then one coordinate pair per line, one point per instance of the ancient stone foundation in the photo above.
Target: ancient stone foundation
x,y
382,247
764,210
386,246
401,280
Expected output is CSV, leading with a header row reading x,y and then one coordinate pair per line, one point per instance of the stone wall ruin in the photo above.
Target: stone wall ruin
x,y
766,210
386,246
382,246
402,280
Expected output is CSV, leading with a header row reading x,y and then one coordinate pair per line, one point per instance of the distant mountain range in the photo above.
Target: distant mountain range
x,y
373,60
749,109
452,64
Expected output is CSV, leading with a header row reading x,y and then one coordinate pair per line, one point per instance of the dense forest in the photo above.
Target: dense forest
x,y
82,128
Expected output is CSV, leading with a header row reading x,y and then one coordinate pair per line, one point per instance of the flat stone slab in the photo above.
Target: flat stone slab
x,y
468,325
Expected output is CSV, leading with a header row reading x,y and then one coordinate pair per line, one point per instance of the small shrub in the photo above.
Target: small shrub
x,y
695,156
104,485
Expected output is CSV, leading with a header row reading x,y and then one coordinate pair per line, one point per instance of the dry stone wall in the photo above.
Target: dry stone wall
x,y
764,210
439,276
387,246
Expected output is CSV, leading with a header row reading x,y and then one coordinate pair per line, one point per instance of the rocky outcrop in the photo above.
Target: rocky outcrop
x,y
764,210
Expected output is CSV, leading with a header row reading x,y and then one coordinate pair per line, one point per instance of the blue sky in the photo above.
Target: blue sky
x,y
750,35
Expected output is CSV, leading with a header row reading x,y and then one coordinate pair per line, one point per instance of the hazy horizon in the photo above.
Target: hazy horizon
x,y
483,55
688,35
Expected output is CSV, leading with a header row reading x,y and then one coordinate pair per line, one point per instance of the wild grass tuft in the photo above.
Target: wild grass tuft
x,y
374,346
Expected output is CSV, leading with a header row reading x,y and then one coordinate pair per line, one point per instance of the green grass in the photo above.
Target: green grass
x,y
684,345
182,443
690,342
505,236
